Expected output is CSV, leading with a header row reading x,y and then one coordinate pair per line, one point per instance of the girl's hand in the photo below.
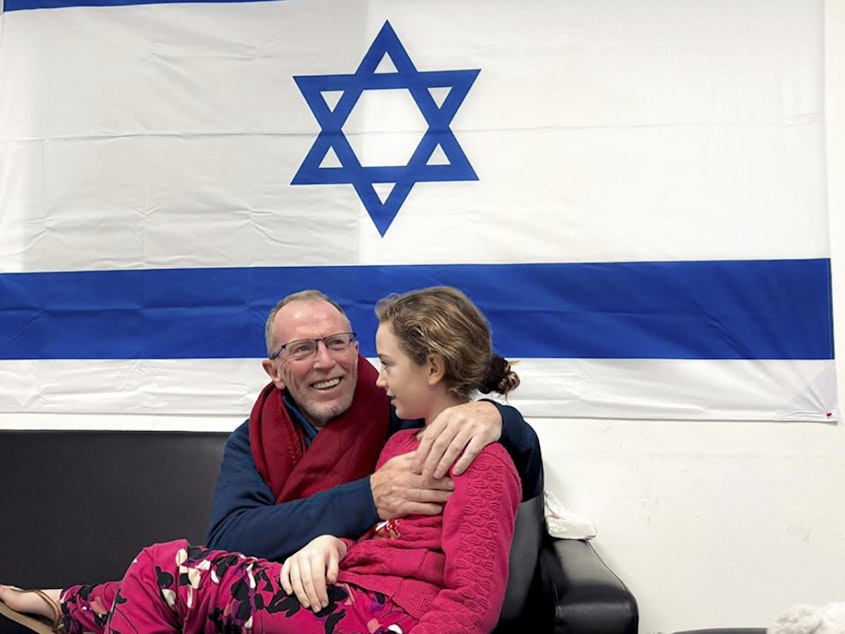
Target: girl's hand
x,y
309,571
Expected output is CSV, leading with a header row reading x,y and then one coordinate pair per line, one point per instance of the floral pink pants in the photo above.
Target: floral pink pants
x,y
176,587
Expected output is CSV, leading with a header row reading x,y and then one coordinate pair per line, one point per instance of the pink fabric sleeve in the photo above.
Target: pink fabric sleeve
x,y
478,524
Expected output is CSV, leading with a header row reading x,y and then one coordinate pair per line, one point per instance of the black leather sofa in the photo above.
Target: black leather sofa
x,y
76,506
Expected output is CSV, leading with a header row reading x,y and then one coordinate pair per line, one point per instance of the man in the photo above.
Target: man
x,y
282,483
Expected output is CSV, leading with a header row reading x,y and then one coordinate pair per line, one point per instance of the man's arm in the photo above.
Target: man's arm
x,y
461,432
245,517
521,442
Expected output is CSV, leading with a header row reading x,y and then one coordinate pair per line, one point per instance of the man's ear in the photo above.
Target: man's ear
x,y
271,369
436,369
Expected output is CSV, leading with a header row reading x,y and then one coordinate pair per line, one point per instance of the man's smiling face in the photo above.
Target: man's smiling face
x,y
322,385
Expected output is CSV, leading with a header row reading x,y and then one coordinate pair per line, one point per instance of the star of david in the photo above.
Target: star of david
x,y
419,167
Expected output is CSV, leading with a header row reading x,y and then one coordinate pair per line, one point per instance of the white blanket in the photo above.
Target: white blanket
x,y
563,523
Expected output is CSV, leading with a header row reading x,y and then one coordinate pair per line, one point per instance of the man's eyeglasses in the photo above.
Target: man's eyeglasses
x,y
305,348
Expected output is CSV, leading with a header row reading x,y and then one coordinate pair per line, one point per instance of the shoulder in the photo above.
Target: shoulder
x,y
241,431
496,453
493,459
239,438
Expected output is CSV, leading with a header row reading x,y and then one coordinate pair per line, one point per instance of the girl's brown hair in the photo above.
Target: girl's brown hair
x,y
442,320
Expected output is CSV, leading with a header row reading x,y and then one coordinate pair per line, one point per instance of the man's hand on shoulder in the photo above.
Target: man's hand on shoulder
x,y
462,430
399,491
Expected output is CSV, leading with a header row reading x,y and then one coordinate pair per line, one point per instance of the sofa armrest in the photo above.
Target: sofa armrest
x,y
588,597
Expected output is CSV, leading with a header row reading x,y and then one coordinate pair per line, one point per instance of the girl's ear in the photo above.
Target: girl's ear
x,y
436,369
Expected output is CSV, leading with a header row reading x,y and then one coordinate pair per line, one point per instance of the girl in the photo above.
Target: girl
x,y
417,574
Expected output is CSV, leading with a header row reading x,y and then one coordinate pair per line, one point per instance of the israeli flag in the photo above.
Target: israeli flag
x,y
633,193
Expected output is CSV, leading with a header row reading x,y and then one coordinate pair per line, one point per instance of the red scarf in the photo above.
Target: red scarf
x,y
345,449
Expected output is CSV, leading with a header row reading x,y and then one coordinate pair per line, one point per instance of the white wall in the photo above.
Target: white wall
x,y
710,524
717,524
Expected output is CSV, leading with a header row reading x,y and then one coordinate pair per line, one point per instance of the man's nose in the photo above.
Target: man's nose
x,y
323,357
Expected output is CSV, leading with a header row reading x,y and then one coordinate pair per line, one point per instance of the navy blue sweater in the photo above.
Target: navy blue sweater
x,y
245,517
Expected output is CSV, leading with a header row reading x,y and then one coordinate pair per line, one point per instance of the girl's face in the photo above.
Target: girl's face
x,y
409,386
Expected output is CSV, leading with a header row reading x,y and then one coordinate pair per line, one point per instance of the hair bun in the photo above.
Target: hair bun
x,y
499,376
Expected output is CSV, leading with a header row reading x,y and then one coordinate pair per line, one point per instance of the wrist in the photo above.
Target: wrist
x,y
344,546
374,506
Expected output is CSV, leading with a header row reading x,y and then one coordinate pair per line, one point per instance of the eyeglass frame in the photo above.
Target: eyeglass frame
x,y
278,351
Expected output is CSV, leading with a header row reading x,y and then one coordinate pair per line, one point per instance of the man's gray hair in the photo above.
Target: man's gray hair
x,y
308,295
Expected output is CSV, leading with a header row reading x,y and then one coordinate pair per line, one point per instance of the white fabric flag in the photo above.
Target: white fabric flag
x,y
633,192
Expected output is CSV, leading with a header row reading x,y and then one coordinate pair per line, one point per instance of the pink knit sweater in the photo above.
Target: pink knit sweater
x,y
448,571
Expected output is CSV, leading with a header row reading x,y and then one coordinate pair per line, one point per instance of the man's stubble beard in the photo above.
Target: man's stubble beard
x,y
321,414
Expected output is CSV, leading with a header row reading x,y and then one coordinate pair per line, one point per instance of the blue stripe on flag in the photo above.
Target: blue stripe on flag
x,y
760,309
